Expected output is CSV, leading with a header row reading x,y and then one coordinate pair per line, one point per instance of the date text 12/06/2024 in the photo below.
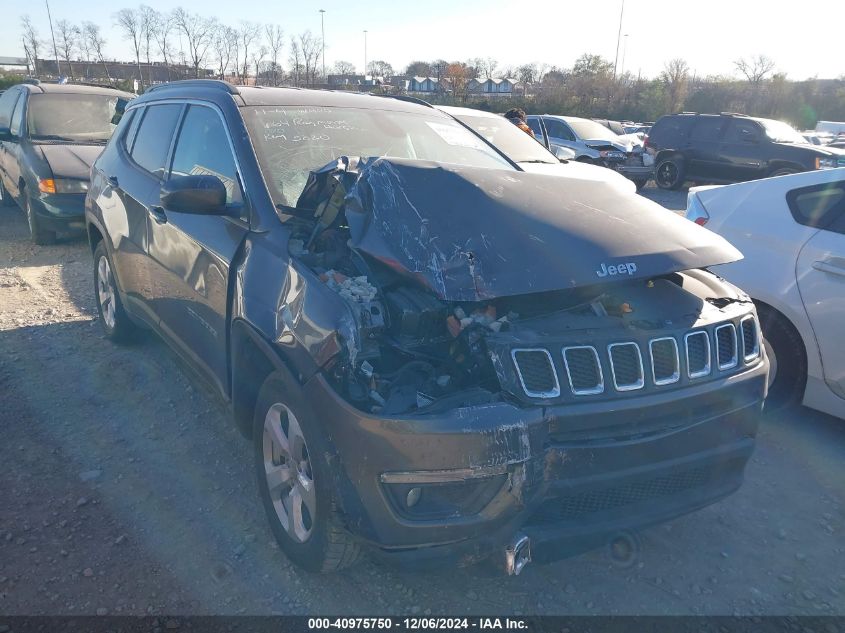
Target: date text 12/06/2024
x,y
414,624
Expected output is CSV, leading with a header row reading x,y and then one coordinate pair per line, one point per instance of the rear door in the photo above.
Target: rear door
x,y
191,254
742,152
537,127
820,271
703,153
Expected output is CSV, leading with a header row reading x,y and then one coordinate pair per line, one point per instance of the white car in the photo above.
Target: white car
x,y
791,230
529,154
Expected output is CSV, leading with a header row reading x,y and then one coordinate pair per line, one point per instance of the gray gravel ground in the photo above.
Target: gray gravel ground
x,y
125,489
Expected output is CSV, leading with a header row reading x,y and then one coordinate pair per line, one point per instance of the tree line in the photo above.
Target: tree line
x,y
260,53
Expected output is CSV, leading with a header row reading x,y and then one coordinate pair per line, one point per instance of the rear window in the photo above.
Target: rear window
x,y
669,130
819,206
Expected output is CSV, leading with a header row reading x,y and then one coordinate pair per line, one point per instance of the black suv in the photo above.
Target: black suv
x,y
50,135
435,354
725,148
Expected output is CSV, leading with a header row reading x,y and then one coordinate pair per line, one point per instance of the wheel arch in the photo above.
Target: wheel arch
x,y
764,307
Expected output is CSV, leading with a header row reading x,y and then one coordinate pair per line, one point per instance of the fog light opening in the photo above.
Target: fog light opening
x,y
413,497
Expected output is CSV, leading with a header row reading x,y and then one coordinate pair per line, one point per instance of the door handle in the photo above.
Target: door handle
x,y
829,267
158,214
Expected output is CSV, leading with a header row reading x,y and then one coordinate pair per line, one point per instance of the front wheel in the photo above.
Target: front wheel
x,y
640,183
295,480
37,233
116,323
6,199
669,173
787,360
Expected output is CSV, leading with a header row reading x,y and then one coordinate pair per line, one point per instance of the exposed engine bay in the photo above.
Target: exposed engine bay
x,y
436,326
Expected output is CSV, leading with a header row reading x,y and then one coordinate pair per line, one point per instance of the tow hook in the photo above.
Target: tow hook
x,y
517,554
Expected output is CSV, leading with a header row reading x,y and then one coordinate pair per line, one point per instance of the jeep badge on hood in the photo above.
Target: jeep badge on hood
x,y
628,268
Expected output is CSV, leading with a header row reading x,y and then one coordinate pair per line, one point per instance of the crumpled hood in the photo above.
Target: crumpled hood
x,y
70,161
600,143
471,234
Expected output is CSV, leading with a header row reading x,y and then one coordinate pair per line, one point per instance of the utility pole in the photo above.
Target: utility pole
x,y
365,55
323,28
55,50
618,38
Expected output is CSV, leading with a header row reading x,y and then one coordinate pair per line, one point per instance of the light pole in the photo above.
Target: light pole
x,y
624,51
323,28
365,55
618,38
55,50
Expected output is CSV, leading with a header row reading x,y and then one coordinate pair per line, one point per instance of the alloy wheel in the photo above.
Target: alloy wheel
x,y
288,471
106,291
667,173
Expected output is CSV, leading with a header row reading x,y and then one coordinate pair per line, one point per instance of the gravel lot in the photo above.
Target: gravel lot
x,y
124,489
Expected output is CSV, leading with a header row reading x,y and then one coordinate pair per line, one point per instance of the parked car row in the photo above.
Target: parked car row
x,y
443,343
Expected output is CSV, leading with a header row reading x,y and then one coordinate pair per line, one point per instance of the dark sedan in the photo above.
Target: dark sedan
x,y
50,135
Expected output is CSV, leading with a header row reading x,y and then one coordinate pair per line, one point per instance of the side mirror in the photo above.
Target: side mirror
x,y
204,195
5,134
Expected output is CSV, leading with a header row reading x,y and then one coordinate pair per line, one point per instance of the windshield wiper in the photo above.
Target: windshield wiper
x,y
67,139
537,160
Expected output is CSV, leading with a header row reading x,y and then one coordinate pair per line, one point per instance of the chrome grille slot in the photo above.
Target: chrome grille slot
x,y
750,338
665,364
726,354
536,372
583,370
697,346
626,365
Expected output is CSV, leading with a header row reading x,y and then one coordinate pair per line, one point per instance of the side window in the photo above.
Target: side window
x,y
152,142
558,129
707,128
203,149
670,131
16,124
134,117
7,106
743,132
534,124
819,206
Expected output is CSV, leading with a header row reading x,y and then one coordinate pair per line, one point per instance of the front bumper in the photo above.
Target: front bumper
x,y
508,469
60,211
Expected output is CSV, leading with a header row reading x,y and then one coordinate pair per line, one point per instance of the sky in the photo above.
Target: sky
x,y
709,35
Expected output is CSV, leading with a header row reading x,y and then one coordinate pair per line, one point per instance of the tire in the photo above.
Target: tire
x,y
787,360
783,171
669,173
38,234
640,183
313,537
6,199
116,324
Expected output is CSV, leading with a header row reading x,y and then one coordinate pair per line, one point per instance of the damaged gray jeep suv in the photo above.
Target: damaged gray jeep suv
x,y
437,356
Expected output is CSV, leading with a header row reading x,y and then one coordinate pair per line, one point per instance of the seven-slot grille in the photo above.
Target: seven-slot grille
x,y
536,372
583,364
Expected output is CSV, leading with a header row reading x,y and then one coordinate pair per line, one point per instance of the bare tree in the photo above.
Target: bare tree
x,y
84,46
129,22
343,68
486,66
295,60
756,68
225,45
198,31
248,33
257,59
31,42
67,34
275,42
148,18
96,42
162,29
310,47
675,77
379,68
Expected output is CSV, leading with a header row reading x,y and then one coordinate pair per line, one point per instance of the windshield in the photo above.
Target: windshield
x,y
73,117
509,139
292,141
781,132
591,130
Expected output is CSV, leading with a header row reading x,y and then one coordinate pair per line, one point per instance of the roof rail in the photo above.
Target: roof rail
x,y
408,99
687,112
732,114
199,83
